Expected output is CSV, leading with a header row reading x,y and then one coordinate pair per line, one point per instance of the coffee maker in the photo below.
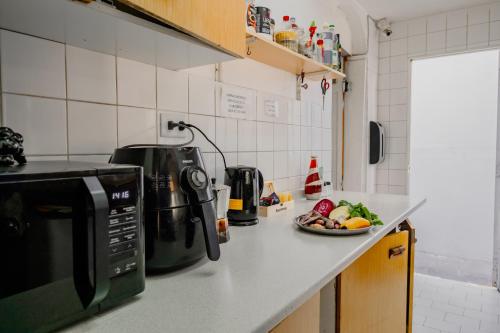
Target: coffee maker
x,y
246,184
180,213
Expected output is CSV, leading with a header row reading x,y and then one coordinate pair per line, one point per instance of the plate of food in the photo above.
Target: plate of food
x,y
342,219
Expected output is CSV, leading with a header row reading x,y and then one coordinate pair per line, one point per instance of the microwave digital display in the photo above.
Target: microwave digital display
x,y
120,195
120,189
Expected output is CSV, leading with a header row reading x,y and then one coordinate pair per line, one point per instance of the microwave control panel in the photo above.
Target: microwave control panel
x,y
124,223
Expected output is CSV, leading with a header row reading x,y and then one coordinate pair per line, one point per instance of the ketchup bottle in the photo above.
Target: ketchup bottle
x,y
313,185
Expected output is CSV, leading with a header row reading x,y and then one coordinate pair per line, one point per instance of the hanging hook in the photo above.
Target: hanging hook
x,y
301,77
248,51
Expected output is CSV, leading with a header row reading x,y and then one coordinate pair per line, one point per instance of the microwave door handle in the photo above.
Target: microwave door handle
x,y
97,256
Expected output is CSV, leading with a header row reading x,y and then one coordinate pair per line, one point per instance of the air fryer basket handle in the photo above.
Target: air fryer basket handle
x,y
97,254
204,209
208,221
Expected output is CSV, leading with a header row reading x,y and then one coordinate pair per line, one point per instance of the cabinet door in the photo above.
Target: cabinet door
x,y
304,320
217,22
372,292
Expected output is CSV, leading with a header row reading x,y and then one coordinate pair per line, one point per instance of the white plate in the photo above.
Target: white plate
x,y
335,232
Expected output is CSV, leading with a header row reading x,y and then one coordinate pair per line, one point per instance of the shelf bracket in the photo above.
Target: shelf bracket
x,y
299,85
250,40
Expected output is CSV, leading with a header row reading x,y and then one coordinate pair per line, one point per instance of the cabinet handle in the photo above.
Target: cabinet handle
x,y
396,251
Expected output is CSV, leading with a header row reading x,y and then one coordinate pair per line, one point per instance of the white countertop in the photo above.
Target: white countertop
x,y
265,272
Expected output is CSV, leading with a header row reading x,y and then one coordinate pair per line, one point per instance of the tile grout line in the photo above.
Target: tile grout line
x,y
2,116
66,99
116,100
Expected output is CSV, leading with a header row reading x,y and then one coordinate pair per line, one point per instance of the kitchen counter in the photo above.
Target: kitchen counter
x,y
265,272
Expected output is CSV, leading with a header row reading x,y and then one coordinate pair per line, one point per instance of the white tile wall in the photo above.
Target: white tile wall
x,y
477,15
456,19
201,96
456,31
136,125
247,132
280,164
456,39
436,23
281,137
172,90
248,159
478,35
91,76
226,134
136,83
265,163
417,27
436,42
39,73
113,101
91,128
384,66
417,45
42,121
293,137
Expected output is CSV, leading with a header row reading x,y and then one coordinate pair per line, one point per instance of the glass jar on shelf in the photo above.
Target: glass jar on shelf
x,y
286,36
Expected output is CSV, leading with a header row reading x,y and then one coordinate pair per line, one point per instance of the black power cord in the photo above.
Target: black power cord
x,y
182,125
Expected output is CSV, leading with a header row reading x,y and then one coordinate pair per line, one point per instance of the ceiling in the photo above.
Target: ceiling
x,y
398,10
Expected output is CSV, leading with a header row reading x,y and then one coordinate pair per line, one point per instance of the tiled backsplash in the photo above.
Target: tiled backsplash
x,y
457,31
76,104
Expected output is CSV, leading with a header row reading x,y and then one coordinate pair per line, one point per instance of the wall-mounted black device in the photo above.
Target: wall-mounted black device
x,y
377,135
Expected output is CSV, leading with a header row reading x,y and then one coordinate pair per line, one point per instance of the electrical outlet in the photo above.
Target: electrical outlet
x,y
165,132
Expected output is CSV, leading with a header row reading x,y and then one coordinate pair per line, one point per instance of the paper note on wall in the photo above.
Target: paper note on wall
x,y
237,103
271,108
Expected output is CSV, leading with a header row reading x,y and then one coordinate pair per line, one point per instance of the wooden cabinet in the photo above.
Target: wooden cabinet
x,y
303,320
374,293
220,23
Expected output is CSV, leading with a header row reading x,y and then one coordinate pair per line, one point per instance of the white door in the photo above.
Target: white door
x,y
453,135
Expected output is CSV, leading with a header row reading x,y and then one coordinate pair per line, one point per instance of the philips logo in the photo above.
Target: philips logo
x,y
187,161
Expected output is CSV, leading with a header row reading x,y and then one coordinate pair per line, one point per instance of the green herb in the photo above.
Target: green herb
x,y
359,210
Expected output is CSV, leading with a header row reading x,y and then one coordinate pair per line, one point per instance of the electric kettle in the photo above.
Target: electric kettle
x,y
246,188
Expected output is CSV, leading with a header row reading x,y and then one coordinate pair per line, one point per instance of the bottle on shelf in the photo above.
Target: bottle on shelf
x,y
273,28
310,43
340,59
285,24
250,16
303,39
263,22
328,36
319,51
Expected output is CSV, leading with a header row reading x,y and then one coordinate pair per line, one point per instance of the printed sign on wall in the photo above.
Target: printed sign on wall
x,y
271,107
237,103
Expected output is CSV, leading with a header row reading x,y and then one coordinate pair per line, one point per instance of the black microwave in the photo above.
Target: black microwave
x,y
71,242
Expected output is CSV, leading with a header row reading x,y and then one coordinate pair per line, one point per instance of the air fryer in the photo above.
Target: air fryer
x,y
180,212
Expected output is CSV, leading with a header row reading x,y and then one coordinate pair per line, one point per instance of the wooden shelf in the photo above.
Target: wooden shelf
x,y
272,54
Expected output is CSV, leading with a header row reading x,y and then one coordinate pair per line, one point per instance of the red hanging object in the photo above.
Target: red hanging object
x,y
313,186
